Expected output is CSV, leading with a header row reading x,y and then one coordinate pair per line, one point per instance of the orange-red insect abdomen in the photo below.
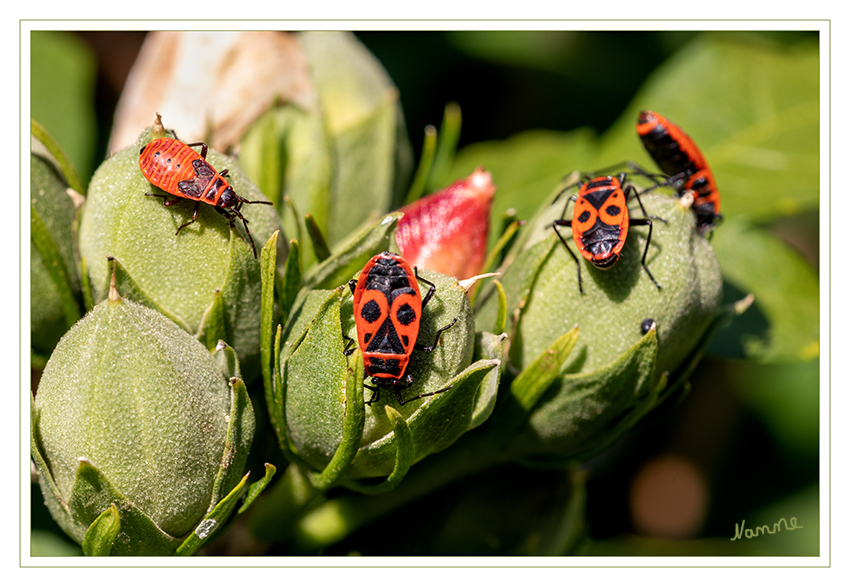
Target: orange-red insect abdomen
x,y
677,155
387,313
601,221
177,169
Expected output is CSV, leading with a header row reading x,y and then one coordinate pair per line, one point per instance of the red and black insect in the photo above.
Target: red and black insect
x,y
677,155
601,222
387,314
179,170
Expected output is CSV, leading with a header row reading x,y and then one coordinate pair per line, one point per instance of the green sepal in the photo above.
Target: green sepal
x,y
256,488
102,533
268,263
315,409
67,168
582,414
502,308
228,360
426,160
530,384
212,521
290,281
220,519
449,136
488,346
404,455
352,426
212,326
352,255
85,286
317,239
59,274
240,433
436,424
501,246
92,493
129,289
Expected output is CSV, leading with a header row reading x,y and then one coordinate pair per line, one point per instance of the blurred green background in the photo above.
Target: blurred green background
x,y
744,443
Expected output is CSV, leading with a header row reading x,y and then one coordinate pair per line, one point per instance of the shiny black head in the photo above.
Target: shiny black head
x,y
229,199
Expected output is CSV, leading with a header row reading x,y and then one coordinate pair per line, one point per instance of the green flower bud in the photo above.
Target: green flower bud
x,y
54,282
133,412
319,380
205,278
591,364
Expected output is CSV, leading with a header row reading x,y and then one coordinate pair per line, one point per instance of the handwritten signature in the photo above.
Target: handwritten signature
x,y
742,532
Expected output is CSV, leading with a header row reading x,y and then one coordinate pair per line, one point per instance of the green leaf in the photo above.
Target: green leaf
x,y
584,413
240,433
102,533
64,75
488,346
352,426
290,281
59,155
760,135
786,293
449,136
405,452
268,264
138,535
526,166
212,522
212,327
256,488
429,146
320,246
59,274
352,255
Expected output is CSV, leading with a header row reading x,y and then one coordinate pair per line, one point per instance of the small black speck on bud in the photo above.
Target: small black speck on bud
x,y
646,325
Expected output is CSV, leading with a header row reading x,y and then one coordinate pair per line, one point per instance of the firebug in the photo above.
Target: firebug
x,y
677,155
601,222
179,170
387,315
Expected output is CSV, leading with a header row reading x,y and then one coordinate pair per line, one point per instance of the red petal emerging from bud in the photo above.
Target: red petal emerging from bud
x,y
447,231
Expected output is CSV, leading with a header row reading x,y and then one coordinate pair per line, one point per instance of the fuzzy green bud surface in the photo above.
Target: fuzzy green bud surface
x,y
205,278
133,411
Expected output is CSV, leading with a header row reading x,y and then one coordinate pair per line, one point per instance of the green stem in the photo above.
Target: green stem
x,y
337,518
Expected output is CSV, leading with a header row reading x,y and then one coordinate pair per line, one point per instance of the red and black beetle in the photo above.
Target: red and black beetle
x,y
677,155
601,222
387,314
179,170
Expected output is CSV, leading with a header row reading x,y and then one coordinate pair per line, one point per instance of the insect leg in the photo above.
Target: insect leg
x,y
165,199
428,349
349,347
203,147
402,402
555,225
431,287
375,395
645,222
194,216
230,214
